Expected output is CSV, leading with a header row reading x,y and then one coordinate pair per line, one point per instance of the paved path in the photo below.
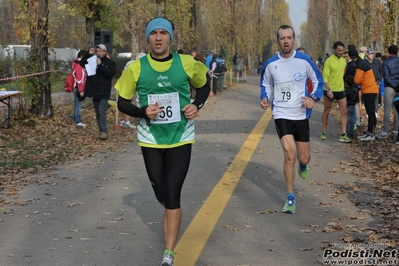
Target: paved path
x,y
102,211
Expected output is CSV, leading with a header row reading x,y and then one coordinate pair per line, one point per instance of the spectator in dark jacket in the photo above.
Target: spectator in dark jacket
x,y
234,60
352,99
98,86
376,65
350,70
390,74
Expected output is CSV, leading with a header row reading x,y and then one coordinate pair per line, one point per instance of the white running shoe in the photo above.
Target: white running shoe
x,y
368,138
128,124
80,124
167,260
382,135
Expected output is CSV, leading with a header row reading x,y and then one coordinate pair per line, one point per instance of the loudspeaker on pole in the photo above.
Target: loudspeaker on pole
x,y
104,37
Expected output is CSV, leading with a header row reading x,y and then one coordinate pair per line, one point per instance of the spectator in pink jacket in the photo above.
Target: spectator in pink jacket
x,y
79,74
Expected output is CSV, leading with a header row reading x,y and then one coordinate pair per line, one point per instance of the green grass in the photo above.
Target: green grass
x,y
14,144
57,83
23,164
11,86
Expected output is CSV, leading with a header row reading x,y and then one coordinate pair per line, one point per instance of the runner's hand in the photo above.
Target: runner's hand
x,y
264,104
190,111
308,103
153,110
330,95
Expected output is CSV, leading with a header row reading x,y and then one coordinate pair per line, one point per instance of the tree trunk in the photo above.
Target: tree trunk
x,y
135,45
38,14
89,32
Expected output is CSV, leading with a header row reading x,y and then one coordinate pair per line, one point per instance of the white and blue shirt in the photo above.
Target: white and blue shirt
x,y
284,82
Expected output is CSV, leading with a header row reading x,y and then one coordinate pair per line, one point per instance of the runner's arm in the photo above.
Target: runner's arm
x,y
202,95
126,107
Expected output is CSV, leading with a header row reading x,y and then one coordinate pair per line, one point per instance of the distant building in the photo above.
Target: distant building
x,y
63,54
21,51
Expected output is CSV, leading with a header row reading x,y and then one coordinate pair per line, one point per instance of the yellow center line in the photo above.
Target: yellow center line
x,y
195,237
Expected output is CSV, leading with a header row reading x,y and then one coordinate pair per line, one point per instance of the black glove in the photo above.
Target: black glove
x,y
81,98
396,89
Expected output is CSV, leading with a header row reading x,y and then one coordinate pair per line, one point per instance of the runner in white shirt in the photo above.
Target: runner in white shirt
x,y
284,85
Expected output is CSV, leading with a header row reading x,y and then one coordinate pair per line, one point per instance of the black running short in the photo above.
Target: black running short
x,y
338,95
298,128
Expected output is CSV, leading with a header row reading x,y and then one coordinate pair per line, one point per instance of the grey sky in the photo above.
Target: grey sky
x,y
298,13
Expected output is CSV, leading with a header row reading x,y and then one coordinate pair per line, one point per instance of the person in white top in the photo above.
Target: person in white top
x,y
284,86
125,121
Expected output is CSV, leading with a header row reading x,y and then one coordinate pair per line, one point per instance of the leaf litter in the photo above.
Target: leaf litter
x,y
33,146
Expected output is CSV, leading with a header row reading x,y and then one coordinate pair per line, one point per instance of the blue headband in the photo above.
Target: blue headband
x,y
159,23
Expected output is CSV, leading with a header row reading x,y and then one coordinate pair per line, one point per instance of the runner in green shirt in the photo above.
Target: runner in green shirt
x,y
333,75
165,131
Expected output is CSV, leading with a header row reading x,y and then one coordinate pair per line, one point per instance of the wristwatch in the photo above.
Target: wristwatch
x,y
314,97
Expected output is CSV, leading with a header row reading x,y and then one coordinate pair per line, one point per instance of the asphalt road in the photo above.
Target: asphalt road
x,y
102,211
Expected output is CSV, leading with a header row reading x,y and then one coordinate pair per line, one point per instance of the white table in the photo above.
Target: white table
x,y
5,98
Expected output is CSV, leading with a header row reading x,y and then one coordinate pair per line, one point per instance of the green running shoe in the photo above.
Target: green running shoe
x,y
323,136
304,174
344,138
289,206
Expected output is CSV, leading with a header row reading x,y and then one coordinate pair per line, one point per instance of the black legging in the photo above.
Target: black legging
x,y
167,170
369,104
